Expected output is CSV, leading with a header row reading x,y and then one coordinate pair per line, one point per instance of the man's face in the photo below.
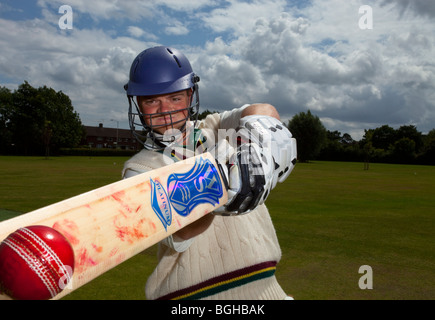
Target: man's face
x,y
167,111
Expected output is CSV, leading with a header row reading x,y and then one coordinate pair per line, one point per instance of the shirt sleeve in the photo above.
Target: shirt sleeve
x,y
177,243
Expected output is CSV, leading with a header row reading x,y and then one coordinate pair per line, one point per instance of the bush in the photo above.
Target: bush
x,y
94,152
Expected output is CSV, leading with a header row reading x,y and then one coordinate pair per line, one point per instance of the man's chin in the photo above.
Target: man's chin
x,y
167,129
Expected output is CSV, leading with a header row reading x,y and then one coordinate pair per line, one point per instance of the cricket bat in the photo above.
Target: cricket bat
x,y
109,225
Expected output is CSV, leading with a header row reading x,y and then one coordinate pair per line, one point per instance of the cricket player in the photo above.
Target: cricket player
x,y
233,252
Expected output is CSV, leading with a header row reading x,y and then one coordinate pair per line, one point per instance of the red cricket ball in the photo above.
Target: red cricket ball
x,y
36,263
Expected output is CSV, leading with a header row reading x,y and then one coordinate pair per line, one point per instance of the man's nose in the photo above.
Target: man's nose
x,y
165,105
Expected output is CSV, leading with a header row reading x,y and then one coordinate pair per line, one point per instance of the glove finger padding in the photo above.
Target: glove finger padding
x,y
261,154
252,181
269,133
244,171
225,156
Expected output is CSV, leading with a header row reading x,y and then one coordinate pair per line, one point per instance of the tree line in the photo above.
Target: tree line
x,y
405,145
37,121
41,121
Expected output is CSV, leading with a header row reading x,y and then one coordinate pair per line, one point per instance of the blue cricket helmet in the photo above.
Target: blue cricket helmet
x,y
155,71
160,70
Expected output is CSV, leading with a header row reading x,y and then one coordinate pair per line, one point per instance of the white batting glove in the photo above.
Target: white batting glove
x,y
243,172
261,154
271,135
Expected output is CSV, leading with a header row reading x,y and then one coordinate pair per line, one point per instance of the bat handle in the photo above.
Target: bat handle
x,y
224,173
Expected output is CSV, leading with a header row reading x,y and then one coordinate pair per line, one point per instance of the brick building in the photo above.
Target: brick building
x,y
111,138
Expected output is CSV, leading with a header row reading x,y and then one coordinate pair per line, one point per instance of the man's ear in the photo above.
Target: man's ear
x,y
190,94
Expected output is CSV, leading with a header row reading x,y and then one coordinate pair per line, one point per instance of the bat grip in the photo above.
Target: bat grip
x,y
223,174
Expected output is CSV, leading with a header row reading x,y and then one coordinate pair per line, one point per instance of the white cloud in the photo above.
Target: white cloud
x,y
325,62
314,57
137,32
418,7
88,65
188,6
97,9
177,28
125,9
239,16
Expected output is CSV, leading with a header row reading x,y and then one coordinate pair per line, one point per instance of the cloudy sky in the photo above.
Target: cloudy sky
x,y
298,55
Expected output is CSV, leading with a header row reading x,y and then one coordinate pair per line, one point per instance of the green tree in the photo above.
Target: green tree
x,y
404,151
383,137
332,148
427,156
340,147
5,114
411,133
310,135
42,119
367,147
346,139
204,114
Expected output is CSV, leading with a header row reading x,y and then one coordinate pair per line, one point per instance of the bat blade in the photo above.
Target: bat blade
x,y
109,225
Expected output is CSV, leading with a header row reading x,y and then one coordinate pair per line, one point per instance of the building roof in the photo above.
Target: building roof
x,y
100,131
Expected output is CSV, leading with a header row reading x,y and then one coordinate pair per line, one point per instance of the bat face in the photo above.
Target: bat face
x,y
185,191
108,225
201,184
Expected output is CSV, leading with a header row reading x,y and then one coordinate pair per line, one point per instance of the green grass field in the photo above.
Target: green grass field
x,y
331,218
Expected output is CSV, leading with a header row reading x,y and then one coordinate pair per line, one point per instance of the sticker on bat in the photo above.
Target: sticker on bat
x,y
201,184
160,203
